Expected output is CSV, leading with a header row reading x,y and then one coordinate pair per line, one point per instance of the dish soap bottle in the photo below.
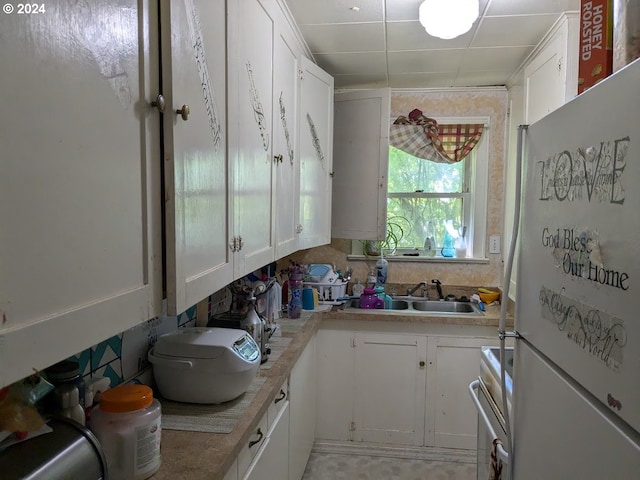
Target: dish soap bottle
x,y
430,241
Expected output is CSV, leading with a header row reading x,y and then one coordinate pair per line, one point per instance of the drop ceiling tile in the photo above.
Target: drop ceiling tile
x,y
412,36
356,37
353,63
498,58
513,31
420,80
511,7
335,11
425,61
360,81
481,78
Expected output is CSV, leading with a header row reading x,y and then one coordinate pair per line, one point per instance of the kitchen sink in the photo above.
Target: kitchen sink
x,y
444,307
395,304
420,306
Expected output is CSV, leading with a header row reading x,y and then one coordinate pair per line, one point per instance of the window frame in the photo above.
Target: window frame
x,y
475,193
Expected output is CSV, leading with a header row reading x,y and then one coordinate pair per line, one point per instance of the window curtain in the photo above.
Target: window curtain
x,y
422,137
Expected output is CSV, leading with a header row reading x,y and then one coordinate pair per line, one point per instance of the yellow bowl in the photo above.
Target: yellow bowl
x,y
488,298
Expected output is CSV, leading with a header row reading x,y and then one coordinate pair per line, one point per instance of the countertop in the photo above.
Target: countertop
x,y
196,455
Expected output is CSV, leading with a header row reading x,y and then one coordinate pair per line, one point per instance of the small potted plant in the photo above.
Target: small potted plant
x,y
394,234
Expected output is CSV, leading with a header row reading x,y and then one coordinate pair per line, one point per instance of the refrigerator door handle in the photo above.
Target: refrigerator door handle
x,y
502,453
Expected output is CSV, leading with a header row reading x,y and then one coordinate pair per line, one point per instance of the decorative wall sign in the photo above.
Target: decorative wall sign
x,y
285,128
598,333
593,174
195,32
256,106
315,140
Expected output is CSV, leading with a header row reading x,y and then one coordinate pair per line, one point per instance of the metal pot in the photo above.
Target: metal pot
x,y
69,451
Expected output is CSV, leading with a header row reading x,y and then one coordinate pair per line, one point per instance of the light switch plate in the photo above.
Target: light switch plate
x,y
494,244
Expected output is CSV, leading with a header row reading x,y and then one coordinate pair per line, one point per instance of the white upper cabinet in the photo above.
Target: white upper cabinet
x,y
551,77
316,154
361,147
286,158
80,243
199,260
251,44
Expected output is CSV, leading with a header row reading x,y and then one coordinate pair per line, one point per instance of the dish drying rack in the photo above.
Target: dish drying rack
x,y
325,280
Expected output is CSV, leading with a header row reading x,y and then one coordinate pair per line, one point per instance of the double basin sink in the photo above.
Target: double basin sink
x,y
419,305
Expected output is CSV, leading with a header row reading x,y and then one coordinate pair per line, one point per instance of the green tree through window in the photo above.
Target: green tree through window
x,y
423,191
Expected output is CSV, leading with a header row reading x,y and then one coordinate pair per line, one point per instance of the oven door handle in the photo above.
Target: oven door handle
x,y
502,453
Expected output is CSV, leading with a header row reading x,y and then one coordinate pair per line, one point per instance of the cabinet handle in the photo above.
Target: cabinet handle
x,y
233,244
254,442
240,243
282,397
277,159
159,103
184,112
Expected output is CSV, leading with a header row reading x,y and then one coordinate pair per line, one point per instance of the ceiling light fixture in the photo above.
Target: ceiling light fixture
x,y
448,18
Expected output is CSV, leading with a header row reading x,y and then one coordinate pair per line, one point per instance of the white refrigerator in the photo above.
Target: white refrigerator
x,y
576,385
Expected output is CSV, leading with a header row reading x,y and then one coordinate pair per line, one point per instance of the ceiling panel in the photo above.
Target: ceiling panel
x,y
425,61
383,44
353,63
412,36
513,31
357,37
532,7
336,11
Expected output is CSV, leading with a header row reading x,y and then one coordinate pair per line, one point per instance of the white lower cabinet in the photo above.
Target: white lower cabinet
x,y
281,443
302,403
401,388
271,461
453,362
389,388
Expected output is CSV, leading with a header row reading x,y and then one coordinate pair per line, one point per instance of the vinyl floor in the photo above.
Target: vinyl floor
x,y
332,466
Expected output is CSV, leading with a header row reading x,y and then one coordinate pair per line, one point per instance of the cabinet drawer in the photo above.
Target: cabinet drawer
x,y
249,450
277,403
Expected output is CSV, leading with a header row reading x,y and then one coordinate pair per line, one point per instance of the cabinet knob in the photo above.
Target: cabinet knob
x,y
282,396
159,103
184,112
422,364
254,442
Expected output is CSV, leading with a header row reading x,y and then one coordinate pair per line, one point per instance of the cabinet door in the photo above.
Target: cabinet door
x,y
390,388
316,154
334,385
251,41
302,402
271,462
285,139
199,261
361,136
551,78
80,242
451,417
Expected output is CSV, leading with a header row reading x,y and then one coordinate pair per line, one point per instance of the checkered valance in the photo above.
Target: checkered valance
x,y
422,137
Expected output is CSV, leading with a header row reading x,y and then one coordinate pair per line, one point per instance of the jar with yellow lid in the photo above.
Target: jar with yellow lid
x,y
127,422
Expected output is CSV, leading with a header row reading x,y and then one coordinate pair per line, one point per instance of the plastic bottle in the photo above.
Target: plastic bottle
x,y
382,268
295,290
447,246
430,241
127,423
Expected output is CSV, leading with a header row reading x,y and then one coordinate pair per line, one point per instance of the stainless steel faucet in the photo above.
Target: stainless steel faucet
x,y
411,291
438,285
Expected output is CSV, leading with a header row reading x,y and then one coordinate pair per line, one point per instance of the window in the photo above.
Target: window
x,y
420,191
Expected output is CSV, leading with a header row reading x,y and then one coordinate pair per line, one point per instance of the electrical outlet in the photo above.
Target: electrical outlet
x,y
494,244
